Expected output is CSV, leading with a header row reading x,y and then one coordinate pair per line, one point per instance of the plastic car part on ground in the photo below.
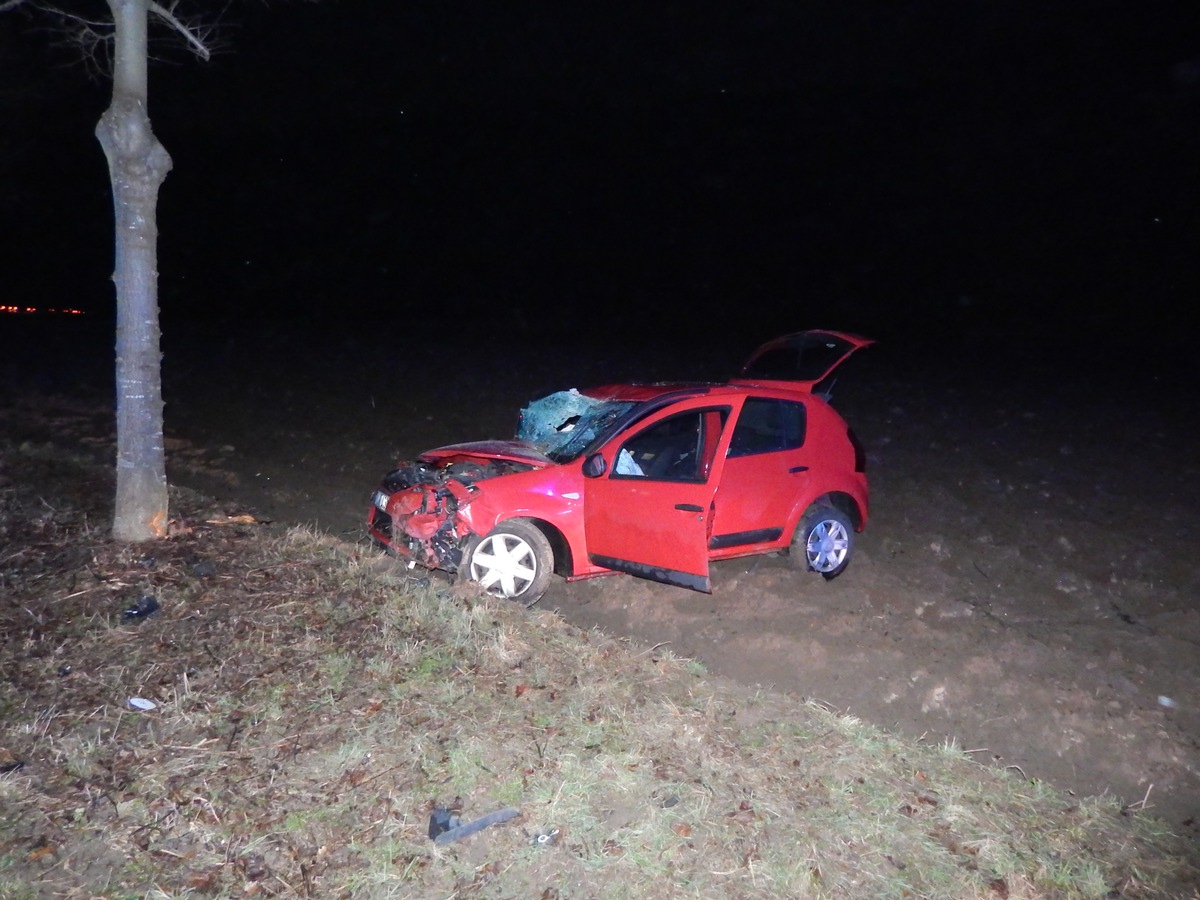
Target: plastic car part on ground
x,y
145,607
445,826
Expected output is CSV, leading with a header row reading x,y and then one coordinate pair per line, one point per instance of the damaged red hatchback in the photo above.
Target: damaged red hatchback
x,y
651,480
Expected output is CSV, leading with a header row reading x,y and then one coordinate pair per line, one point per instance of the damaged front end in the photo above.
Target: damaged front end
x,y
421,511
418,511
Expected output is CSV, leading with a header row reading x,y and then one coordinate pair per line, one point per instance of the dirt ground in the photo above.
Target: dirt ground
x,y
1027,586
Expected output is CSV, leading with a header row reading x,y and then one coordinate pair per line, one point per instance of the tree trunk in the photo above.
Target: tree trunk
x,y
137,165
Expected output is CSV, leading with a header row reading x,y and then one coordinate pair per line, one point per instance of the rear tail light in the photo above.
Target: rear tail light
x,y
860,454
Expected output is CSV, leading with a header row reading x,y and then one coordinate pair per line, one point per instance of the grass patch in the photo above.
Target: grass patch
x,y
311,711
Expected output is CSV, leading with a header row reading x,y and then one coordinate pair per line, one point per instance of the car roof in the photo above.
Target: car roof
x,y
640,393
636,393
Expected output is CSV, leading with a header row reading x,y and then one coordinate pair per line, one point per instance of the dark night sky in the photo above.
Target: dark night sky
x,y
889,167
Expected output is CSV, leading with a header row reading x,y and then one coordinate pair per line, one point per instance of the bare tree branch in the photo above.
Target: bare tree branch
x,y
194,40
92,38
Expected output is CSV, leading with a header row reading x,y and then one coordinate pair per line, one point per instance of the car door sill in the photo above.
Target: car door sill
x,y
654,573
740,538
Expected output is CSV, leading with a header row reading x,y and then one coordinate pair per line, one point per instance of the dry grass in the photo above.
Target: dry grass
x,y
312,707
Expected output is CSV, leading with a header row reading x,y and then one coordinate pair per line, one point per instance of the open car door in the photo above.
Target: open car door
x,y
649,511
802,360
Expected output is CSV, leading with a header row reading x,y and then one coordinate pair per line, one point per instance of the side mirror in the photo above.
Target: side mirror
x,y
594,466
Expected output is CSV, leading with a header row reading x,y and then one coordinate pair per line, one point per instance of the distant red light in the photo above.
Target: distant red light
x,y
33,310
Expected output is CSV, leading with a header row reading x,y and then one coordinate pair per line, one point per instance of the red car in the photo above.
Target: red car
x,y
652,480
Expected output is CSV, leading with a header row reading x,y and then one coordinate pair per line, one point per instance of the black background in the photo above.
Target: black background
x,y
970,171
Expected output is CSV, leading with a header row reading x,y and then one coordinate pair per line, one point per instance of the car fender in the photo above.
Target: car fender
x,y
557,502
848,494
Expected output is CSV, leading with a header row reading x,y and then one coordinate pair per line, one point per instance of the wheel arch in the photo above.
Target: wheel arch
x,y
559,545
840,501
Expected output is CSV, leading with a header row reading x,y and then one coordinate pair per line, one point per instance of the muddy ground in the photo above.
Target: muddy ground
x,y
1028,585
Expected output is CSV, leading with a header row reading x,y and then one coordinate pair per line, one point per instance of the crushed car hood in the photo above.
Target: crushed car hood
x,y
512,451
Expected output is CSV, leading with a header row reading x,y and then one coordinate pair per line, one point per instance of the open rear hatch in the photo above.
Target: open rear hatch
x,y
804,360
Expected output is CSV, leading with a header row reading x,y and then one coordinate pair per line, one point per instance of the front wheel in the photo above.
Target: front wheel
x,y
513,561
824,542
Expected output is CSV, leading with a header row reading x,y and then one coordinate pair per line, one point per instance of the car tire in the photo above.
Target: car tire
x,y
824,542
514,561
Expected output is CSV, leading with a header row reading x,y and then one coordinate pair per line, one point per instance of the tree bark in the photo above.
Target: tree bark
x,y
137,164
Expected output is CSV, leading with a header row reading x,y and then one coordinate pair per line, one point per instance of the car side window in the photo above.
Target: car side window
x,y
768,426
678,448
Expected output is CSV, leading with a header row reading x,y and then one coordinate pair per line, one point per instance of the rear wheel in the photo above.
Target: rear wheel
x,y
824,542
513,561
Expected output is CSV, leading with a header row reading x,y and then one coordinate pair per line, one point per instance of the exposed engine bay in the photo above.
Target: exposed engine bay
x,y
417,511
419,506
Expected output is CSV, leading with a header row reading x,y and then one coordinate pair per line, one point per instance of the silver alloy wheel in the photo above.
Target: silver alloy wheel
x,y
827,546
504,565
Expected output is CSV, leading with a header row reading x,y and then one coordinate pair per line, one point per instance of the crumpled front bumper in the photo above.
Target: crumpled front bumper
x,y
423,523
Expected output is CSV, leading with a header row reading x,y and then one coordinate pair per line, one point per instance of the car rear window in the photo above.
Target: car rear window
x,y
767,426
805,357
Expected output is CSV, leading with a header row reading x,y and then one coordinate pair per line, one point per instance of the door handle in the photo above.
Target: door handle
x,y
794,469
689,507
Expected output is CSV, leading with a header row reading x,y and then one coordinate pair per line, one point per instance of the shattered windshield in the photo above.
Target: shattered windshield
x,y
564,424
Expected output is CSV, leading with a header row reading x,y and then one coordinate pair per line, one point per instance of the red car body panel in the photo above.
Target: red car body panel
x,y
513,451
750,492
667,539
722,500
